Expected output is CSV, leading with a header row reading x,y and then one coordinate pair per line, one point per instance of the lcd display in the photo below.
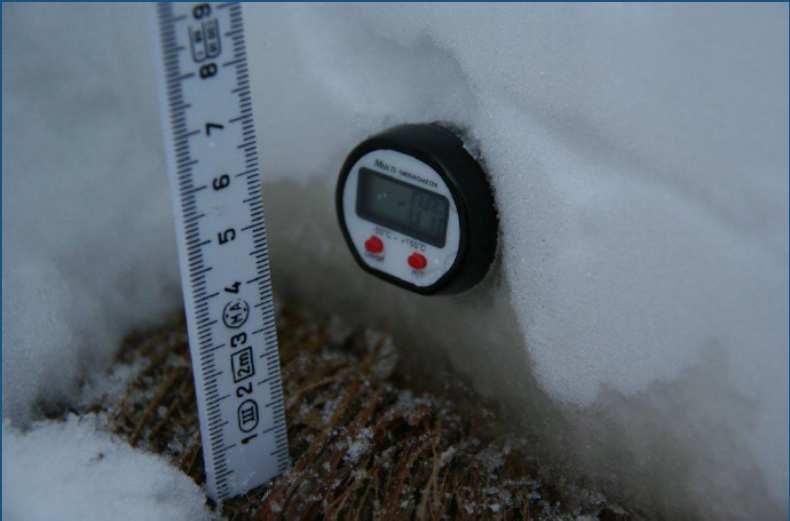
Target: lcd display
x,y
403,207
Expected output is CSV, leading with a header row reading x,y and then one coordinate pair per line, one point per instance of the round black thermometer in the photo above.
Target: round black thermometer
x,y
416,209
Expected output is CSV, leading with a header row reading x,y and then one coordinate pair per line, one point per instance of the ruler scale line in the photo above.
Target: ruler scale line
x,y
200,77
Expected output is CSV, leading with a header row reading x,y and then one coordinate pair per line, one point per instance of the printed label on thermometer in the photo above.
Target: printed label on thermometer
x,y
215,184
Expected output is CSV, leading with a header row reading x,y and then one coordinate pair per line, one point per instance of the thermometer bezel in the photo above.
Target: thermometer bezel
x,y
442,150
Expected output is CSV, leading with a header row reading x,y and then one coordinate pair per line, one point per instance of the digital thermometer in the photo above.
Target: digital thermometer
x,y
416,210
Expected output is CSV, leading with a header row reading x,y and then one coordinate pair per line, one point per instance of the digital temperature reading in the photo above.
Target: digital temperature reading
x,y
416,210
403,207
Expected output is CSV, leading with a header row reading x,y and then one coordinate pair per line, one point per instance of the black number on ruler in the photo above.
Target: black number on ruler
x,y
209,126
237,340
201,10
208,70
226,236
206,41
218,183
244,390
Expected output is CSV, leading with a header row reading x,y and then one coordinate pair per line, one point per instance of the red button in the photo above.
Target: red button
x,y
417,261
374,244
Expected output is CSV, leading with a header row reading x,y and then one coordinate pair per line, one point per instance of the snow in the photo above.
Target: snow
x,y
612,216
639,158
88,241
107,388
73,470
359,446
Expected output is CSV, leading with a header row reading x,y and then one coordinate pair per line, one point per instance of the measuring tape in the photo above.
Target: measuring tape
x,y
215,183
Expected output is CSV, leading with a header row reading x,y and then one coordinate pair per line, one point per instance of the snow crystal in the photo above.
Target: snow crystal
x,y
446,456
328,410
490,491
71,470
338,330
106,388
359,446
491,458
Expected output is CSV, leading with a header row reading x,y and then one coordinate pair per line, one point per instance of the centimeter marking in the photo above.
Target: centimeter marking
x,y
215,183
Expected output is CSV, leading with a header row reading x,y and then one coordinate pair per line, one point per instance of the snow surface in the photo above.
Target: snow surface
x,y
639,157
74,470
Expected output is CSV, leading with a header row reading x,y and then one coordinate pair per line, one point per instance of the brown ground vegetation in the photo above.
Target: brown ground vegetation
x,y
362,446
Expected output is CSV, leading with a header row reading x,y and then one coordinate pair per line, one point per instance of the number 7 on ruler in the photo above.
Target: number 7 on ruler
x,y
213,169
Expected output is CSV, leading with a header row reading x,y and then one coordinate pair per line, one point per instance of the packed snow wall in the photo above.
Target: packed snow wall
x,y
635,321
636,318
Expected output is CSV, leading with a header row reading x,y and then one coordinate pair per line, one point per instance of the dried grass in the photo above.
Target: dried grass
x,y
361,446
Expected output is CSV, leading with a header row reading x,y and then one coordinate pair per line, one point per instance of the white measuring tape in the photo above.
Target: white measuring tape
x,y
216,188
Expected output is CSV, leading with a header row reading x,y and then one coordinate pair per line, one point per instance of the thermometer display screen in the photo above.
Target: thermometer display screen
x,y
403,207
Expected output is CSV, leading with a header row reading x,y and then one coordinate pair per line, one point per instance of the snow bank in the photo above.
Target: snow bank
x,y
637,315
70,470
639,155
88,243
